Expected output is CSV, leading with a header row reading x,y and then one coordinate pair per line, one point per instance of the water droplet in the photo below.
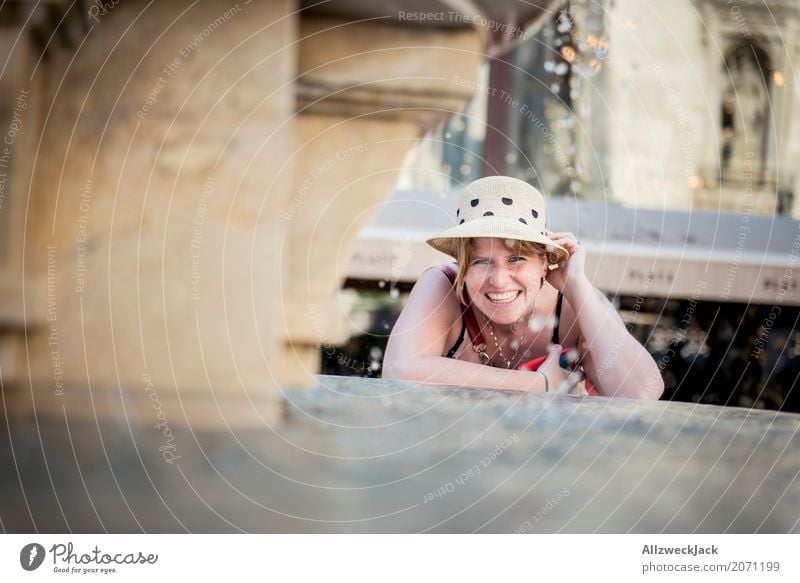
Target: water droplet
x,y
394,293
381,284
536,323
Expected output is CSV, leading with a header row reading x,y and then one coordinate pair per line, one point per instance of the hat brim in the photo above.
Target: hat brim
x,y
500,227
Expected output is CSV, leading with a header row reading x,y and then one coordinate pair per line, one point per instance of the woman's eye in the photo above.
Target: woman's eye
x,y
480,262
516,259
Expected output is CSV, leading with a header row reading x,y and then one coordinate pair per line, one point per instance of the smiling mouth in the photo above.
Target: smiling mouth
x,y
504,298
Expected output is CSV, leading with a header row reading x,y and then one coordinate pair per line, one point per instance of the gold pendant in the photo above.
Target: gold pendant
x,y
481,350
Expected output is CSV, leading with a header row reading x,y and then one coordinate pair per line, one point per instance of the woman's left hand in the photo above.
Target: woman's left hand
x,y
570,271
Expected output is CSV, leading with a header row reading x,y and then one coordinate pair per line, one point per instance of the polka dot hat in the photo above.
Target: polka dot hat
x,y
500,206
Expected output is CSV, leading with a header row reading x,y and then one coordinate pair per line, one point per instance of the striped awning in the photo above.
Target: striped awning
x,y
640,252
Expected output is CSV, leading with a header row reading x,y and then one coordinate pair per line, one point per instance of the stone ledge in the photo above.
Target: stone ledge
x,y
360,455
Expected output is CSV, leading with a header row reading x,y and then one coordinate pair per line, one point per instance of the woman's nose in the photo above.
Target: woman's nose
x,y
498,276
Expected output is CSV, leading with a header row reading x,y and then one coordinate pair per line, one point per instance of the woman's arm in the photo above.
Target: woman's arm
x,y
614,360
415,347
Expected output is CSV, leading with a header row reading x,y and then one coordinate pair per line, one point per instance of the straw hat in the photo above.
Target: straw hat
x,y
500,206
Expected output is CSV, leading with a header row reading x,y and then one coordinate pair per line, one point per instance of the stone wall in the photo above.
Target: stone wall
x,y
193,180
160,145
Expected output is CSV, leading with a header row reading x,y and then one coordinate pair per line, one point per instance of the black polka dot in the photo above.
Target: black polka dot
x,y
506,200
474,202
488,214
461,222
535,213
523,221
458,211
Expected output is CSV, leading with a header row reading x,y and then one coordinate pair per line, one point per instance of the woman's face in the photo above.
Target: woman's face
x,y
502,284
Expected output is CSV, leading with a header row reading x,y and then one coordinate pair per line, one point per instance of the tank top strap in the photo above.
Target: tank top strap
x,y
449,270
559,301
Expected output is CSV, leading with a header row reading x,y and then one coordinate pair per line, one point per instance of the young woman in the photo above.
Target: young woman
x,y
516,292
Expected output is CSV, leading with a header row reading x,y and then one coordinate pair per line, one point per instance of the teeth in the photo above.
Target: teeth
x,y
503,298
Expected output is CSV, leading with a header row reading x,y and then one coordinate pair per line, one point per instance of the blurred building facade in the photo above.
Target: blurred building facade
x,y
688,108
704,102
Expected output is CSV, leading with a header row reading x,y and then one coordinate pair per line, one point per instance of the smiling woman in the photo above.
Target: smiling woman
x,y
516,293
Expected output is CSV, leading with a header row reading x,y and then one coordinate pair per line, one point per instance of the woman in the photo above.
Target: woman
x,y
475,322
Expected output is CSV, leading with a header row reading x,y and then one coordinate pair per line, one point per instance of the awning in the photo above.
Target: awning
x,y
638,252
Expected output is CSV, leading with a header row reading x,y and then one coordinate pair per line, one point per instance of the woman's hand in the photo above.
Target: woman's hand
x,y
558,379
572,270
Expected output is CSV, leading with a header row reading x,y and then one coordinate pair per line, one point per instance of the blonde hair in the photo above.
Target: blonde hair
x,y
464,258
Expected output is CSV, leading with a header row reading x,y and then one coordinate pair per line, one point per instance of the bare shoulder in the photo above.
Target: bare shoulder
x,y
434,295
428,318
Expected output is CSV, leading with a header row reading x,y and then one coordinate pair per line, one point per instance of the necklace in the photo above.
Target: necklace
x,y
508,361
